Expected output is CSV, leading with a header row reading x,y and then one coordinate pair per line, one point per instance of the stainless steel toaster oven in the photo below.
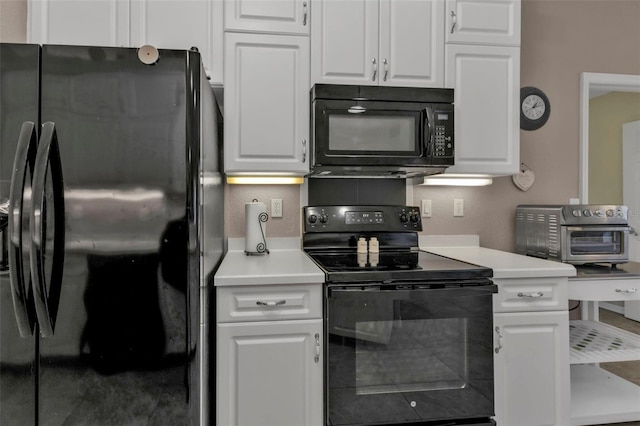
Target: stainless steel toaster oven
x,y
576,234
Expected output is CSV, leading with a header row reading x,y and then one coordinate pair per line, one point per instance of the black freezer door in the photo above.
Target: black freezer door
x,y
18,105
122,341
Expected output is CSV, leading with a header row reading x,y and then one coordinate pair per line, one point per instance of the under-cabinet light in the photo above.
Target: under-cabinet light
x,y
462,180
265,180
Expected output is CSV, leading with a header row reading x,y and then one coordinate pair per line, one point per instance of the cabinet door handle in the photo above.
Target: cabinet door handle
x,y
271,303
304,15
374,64
386,69
532,295
304,150
497,349
626,290
454,20
316,358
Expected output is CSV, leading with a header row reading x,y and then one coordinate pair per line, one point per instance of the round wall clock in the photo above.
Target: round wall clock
x,y
534,108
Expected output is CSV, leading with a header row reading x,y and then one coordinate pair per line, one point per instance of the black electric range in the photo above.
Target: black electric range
x,y
331,240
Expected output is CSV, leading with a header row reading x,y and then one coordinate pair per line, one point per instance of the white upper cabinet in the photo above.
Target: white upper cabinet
x,y
385,42
165,24
266,106
270,16
483,22
81,22
486,80
170,24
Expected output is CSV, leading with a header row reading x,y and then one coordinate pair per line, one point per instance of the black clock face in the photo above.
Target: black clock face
x,y
534,108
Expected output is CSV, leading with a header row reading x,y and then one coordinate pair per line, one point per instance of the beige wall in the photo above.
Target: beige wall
x,y
607,114
13,21
560,40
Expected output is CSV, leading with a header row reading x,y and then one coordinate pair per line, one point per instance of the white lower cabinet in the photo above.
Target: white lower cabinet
x,y
531,341
269,372
531,373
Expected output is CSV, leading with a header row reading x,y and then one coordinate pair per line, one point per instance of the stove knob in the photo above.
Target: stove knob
x,y
587,213
599,213
313,218
576,213
404,218
323,218
414,216
610,213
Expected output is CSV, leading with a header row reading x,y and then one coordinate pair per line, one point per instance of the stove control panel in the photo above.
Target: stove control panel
x,y
361,218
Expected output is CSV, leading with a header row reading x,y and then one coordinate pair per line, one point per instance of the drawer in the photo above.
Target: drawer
x,y
531,295
269,302
604,289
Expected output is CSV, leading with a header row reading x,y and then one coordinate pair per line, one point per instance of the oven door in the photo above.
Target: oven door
x,y
402,354
593,244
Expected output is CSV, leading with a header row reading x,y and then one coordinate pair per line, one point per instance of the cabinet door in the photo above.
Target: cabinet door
x,y
532,385
169,24
271,16
268,373
411,43
483,22
486,80
344,39
266,103
89,23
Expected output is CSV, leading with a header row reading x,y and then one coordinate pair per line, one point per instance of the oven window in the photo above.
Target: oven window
x,y
596,242
409,356
363,132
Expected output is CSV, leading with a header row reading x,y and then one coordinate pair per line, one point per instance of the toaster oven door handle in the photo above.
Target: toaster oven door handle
x,y
603,228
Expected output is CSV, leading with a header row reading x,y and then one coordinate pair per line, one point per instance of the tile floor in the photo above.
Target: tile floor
x,y
629,370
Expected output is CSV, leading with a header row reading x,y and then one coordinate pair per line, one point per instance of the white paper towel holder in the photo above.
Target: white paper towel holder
x,y
261,248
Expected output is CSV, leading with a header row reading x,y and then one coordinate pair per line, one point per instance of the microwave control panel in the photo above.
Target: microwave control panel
x,y
442,134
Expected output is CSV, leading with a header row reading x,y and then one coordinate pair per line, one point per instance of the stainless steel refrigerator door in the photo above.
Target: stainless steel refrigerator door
x,y
124,340
18,111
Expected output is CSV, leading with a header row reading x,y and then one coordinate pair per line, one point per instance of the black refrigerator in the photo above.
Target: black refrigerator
x,y
111,207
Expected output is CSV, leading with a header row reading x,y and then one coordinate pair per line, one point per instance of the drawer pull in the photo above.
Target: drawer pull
x,y
533,295
273,303
626,290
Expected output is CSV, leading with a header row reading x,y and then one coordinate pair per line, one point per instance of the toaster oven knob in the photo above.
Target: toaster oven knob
x,y
323,218
313,218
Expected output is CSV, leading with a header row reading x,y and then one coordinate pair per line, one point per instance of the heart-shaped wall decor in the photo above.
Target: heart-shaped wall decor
x,y
524,180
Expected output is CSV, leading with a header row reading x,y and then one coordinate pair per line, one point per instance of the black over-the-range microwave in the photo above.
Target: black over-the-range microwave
x,y
381,131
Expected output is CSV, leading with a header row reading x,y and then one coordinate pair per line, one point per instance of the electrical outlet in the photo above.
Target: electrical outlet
x,y
276,207
458,207
426,208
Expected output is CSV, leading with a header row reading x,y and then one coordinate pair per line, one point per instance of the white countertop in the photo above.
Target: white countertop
x,y
504,264
286,263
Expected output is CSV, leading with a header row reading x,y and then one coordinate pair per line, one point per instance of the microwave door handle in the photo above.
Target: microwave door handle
x,y
427,130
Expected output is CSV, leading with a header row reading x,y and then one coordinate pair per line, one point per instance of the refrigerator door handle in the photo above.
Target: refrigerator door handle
x,y
21,295
47,288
